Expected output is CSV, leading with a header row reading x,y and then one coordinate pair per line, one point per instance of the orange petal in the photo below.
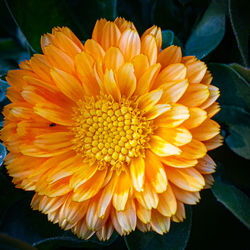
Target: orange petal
x,y
187,197
149,48
195,95
173,72
186,178
167,203
93,221
214,142
214,94
94,49
207,130
143,213
126,80
137,169
57,58
123,24
147,79
111,85
113,59
157,110
174,117
127,217
68,84
87,189
196,71
180,212
178,162
155,172
82,231
173,91
64,43
141,64
121,193
156,33
84,67
197,116
106,231
170,55
213,110
162,148
159,223
148,197
107,195
176,136
98,29
206,165
54,113
130,44
193,150
110,35
148,100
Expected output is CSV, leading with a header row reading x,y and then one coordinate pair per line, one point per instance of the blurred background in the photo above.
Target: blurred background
x,y
217,32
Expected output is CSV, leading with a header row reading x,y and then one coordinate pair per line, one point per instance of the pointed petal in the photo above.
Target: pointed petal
x,y
167,203
175,136
148,197
157,110
130,44
126,80
110,35
68,84
170,55
137,169
173,91
174,117
207,130
113,59
162,148
214,94
197,116
94,49
195,95
149,48
155,172
186,178
147,79
214,142
173,72
87,189
148,100
111,85
140,64
159,223
206,165
121,193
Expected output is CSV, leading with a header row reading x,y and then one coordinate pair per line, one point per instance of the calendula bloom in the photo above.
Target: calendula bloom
x,y
112,134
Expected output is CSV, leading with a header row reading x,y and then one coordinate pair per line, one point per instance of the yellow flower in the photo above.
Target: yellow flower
x,y
112,134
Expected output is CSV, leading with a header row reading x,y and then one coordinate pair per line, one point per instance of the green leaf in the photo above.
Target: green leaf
x,y
235,108
208,33
3,88
11,53
243,71
239,17
236,122
234,89
167,38
175,239
3,153
80,16
233,199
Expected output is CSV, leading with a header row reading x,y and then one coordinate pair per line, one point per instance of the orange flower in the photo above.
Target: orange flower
x,y
113,133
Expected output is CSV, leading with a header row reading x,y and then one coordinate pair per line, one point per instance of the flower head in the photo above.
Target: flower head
x,y
113,133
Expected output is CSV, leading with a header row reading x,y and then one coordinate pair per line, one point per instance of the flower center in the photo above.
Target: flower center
x,y
110,133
